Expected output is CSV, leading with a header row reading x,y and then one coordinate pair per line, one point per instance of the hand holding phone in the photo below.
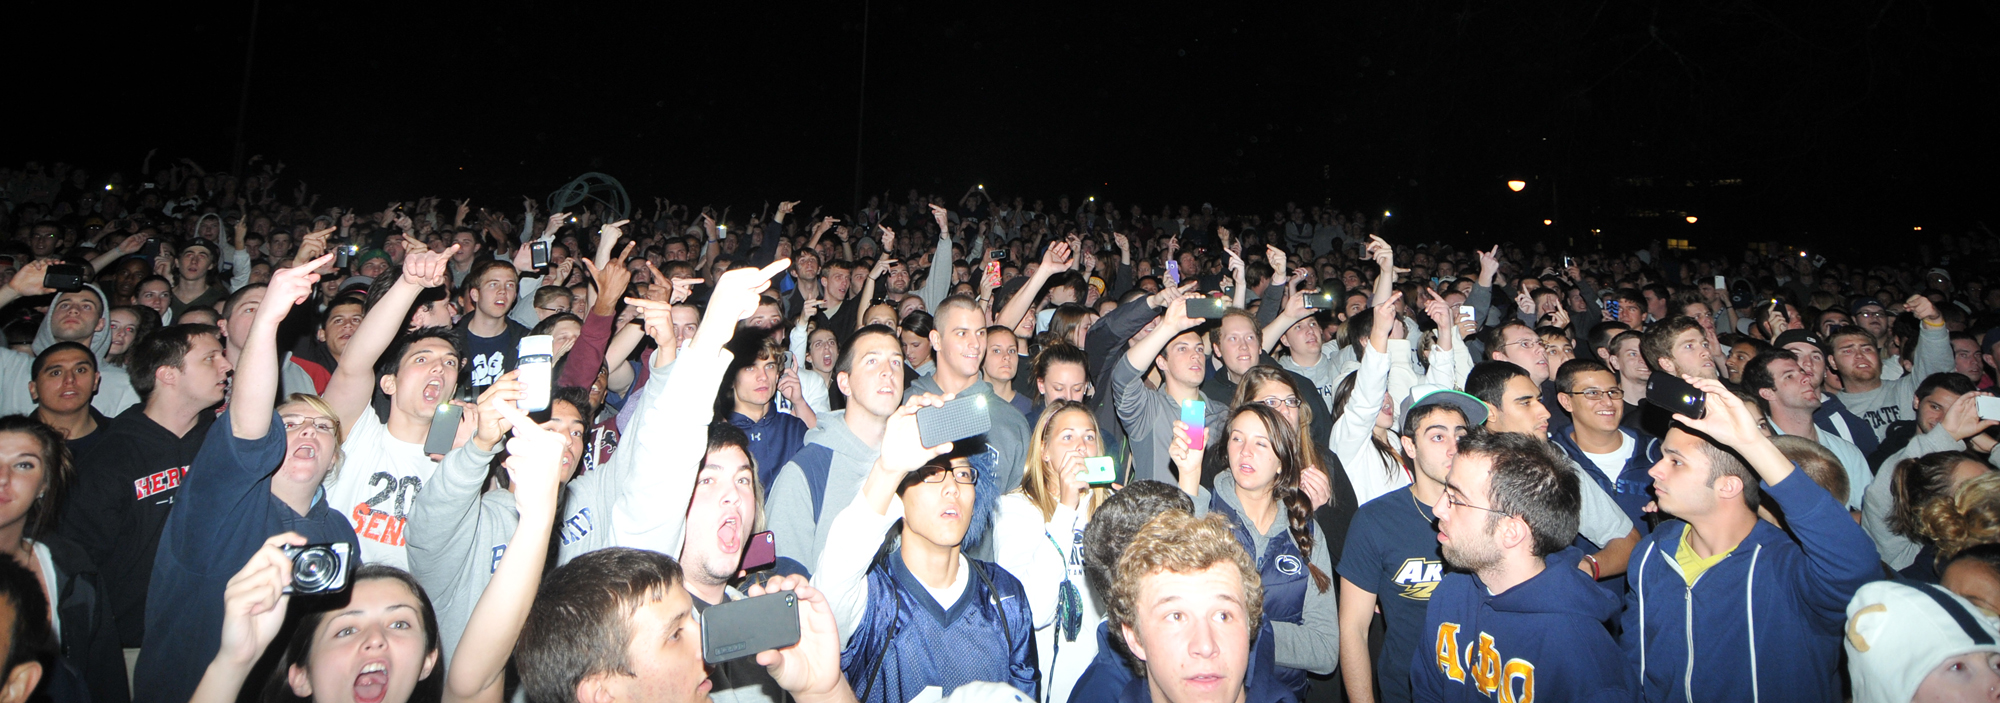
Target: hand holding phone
x,y
742,628
957,419
1103,471
1194,413
1676,396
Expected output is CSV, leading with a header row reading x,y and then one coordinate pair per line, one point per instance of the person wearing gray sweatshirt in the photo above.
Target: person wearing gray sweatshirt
x,y
76,316
1148,414
826,474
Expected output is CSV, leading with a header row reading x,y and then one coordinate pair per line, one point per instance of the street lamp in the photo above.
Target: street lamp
x,y
1517,186
1691,219
1548,222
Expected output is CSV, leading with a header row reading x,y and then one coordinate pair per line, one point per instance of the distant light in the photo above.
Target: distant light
x,y
1919,229
1548,222
1597,231
1092,198
1517,186
1691,219
107,186
982,186
1385,213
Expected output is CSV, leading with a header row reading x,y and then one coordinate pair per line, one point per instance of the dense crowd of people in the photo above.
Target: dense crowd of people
x,y
1220,456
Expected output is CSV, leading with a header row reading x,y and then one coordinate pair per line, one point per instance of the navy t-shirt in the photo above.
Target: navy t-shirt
x,y
1392,552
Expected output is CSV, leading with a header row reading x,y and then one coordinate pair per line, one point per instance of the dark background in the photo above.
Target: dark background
x,y
1826,123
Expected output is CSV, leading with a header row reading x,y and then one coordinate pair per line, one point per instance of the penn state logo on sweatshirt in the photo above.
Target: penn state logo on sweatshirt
x,y
1418,577
1290,565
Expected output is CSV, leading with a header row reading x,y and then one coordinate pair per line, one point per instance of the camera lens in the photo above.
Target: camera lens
x,y
314,569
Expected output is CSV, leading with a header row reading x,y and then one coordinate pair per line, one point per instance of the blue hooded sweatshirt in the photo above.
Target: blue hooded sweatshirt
x,y
1546,638
1767,617
1634,486
774,438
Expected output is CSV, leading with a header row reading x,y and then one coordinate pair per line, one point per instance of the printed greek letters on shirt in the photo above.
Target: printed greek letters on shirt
x,y
1481,666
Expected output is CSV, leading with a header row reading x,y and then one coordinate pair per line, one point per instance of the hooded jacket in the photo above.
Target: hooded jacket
x,y
1633,487
1767,616
114,390
1545,638
821,479
774,438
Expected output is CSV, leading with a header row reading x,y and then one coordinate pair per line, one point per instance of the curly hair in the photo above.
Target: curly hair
x,y
1178,542
1967,518
1918,481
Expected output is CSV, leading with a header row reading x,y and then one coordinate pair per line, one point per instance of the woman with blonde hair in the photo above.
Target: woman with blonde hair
x,y
1969,517
1039,539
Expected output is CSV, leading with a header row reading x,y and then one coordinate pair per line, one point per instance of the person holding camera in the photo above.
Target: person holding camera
x,y
232,500
915,613
74,316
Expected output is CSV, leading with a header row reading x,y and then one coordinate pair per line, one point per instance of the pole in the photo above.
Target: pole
x,y
243,97
861,106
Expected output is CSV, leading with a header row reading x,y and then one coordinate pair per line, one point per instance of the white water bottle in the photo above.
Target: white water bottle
x,y
536,367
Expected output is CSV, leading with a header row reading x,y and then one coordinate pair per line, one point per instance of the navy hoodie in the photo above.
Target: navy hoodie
x,y
1546,638
773,440
1768,616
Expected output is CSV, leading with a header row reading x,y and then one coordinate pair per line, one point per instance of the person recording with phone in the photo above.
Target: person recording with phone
x,y
917,504
1039,539
232,500
79,316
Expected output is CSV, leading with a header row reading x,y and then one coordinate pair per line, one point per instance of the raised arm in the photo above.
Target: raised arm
x,y
353,384
1056,260
843,568
937,281
255,389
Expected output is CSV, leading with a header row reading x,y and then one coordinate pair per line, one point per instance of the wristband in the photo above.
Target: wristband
x,y
1595,574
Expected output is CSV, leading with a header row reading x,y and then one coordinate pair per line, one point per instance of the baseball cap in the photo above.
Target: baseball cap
x,y
1432,394
1797,336
1898,631
1992,337
214,252
1857,304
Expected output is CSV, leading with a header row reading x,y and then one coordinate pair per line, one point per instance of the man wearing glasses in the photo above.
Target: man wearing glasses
x,y
1617,457
1518,623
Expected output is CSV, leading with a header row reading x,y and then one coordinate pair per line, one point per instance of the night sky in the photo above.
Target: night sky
x,y
1835,120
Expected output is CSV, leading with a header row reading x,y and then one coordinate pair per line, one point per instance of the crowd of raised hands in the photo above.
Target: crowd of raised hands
x,y
977,449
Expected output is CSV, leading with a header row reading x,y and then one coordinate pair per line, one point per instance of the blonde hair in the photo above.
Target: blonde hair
x,y
1969,517
1181,543
339,429
1041,482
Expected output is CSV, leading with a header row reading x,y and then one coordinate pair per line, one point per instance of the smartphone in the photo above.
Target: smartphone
x,y
1818,261
1207,308
957,419
996,255
539,251
761,551
1611,306
1102,470
151,250
1466,312
1174,272
1989,408
1718,284
444,429
1567,262
742,628
1675,395
342,254
1194,414
722,231
1320,300
993,274
63,277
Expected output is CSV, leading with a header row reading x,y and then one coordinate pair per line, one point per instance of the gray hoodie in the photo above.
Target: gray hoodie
x,y
819,481
457,536
114,392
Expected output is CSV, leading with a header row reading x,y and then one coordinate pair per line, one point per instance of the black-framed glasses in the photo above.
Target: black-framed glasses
x,y
1597,394
1290,401
1456,500
964,475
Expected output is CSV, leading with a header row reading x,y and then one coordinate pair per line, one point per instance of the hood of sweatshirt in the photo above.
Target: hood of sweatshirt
x,y
1560,589
100,340
832,433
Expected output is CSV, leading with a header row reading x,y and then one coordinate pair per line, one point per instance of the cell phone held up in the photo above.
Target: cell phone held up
x,y
539,254
1676,396
761,551
444,429
957,419
1206,308
1320,300
63,278
1194,414
742,628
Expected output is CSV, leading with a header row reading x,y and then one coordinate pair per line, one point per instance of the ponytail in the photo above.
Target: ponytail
x,y
1298,507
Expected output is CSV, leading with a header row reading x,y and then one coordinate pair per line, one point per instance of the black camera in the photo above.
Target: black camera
x,y
319,568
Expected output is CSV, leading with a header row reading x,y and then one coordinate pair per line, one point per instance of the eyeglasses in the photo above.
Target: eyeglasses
x,y
1524,344
1871,314
963,475
1453,498
321,426
1597,394
1290,401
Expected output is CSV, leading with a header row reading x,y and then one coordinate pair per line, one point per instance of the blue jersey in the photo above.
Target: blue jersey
x,y
908,641
1392,552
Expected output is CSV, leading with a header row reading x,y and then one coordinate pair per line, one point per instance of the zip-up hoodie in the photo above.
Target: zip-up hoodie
x,y
1768,616
1633,487
114,391
1545,638
821,479
774,438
